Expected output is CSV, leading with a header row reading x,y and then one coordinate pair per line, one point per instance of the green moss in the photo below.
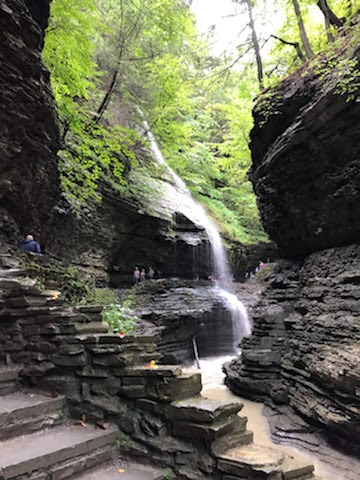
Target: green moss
x,y
75,286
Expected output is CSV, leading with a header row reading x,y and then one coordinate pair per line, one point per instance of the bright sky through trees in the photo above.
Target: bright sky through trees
x,y
227,21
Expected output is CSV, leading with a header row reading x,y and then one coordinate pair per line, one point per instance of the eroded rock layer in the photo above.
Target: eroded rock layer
x,y
306,155
305,348
304,351
28,143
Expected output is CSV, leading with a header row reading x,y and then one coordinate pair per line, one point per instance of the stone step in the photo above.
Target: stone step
x,y
180,387
235,439
24,413
294,469
11,272
259,462
8,261
202,410
18,284
129,471
8,378
212,431
90,327
64,451
251,461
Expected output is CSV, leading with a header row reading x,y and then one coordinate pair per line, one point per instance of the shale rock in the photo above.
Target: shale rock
x,y
29,185
304,350
306,154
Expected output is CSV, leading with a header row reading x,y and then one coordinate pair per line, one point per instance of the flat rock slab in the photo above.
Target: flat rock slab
x,y
29,453
126,472
293,468
254,456
156,371
202,410
25,401
9,373
25,413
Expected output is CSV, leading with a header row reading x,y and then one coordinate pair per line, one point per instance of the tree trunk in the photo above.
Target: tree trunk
x,y
349,9
330,17
100,111
255,42
304,38
321,5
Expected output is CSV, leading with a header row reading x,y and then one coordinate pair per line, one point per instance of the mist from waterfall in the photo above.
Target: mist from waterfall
x,y
184,203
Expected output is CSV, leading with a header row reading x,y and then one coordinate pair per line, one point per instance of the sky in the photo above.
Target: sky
x,y
224,15
230,21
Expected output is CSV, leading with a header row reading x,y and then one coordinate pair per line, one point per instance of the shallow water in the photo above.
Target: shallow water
x,y
213,387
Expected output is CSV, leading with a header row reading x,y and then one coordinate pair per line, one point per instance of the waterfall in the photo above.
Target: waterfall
x,y
184,203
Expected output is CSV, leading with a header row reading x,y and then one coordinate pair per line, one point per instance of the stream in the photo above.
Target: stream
x,y
214,388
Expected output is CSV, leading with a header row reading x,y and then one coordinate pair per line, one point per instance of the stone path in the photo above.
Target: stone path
x,y
123,472
36,441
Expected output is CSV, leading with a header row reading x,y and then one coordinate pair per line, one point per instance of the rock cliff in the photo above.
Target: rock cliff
x,y
305,149
109,237
28,168
305,348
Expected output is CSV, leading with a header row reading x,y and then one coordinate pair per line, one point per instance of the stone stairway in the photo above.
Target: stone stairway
x,y
224,431
39,442
69,351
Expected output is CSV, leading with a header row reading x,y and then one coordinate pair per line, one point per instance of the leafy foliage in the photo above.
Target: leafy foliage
x,y
75,286
110,58
119,318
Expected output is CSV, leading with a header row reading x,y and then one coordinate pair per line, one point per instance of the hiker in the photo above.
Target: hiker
x,y
136,275
29,245
151,273
142,275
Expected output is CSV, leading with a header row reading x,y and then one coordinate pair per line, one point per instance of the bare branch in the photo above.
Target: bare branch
x,y
293,44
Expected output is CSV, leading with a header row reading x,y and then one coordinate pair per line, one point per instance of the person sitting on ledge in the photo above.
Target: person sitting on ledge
x,y
30,245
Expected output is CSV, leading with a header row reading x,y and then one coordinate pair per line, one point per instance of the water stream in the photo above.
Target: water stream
x,y
184,203
214,388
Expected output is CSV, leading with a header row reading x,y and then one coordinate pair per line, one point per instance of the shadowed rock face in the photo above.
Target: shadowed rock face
x,y
306,156
28,143
304,351
39,10
305,347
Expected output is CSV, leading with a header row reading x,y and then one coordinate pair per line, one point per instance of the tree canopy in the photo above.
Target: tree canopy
x,y
110,59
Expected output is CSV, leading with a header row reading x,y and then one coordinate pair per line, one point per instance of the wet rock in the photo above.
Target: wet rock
x,y
177,311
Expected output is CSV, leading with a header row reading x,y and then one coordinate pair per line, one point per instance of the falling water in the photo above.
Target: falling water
x,y
184,203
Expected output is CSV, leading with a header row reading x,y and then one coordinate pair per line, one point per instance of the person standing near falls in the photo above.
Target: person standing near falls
x,y
142,275
151,273
136,275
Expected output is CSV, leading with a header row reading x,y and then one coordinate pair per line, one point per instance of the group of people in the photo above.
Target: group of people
x,y
257,269
141,275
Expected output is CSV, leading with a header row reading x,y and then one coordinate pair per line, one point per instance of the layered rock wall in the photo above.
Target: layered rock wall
x,y
305,348
306,155
28,170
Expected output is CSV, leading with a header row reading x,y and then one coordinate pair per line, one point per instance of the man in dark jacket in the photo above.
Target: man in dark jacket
x,y
29,245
